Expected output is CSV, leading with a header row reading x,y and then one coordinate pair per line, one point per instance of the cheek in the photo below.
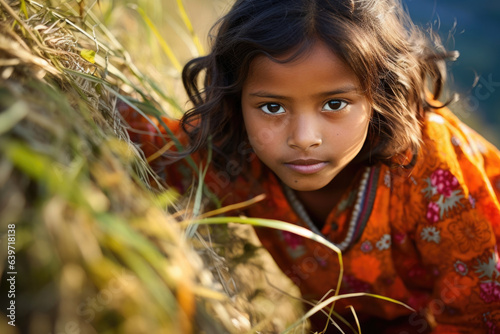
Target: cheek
x,y
351,137
260,134
263,138
360,132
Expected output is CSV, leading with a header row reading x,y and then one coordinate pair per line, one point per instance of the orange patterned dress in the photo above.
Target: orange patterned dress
x,y
427,237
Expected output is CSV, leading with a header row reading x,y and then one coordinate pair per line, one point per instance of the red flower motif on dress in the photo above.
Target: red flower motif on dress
x,y
292,240
432,212
491,327
490,292
399,237
445,184
444,181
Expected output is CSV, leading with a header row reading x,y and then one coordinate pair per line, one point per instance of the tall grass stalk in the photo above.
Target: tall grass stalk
x,y
189,26
164,45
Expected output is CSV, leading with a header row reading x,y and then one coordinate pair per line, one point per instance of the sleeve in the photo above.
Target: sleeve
x,y
154,137
454,216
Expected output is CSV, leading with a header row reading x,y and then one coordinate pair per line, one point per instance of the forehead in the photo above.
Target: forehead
x,y
318,64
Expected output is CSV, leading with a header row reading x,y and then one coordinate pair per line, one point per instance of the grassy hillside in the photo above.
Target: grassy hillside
x,y
96,244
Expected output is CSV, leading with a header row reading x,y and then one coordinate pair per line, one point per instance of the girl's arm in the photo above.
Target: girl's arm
x,y
455,217
157,138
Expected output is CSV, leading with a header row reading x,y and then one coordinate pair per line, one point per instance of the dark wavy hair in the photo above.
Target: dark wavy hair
x,y
395,61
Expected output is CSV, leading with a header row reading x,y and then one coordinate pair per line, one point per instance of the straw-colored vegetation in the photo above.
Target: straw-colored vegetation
x,y
95,249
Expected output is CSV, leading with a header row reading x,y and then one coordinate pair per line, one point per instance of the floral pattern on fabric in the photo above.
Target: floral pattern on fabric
x,y
384,242
469,233
431,234
461,268
444,184
366,247
490,291
293,241
295,244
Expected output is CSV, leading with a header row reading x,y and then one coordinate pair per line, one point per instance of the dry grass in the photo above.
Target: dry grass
x,y
96,251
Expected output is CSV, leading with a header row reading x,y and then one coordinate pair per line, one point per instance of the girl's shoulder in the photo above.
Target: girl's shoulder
x,y
457,172
448,143
448,207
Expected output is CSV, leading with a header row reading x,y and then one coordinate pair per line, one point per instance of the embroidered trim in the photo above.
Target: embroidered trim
x,y
368,201
361,212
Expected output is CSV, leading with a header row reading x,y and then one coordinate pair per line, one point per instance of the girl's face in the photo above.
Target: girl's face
x,y
305,119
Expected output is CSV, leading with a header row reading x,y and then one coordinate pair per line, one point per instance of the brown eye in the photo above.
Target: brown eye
x,y
335,105
272,108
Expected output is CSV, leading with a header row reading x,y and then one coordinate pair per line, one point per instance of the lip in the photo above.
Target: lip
x,y
306,166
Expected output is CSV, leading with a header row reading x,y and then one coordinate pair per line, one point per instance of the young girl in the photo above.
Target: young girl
x,y
323,105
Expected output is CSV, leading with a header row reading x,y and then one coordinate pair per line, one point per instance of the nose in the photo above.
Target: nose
x,y
304,133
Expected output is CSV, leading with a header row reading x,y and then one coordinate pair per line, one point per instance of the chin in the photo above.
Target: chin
x,y
305,185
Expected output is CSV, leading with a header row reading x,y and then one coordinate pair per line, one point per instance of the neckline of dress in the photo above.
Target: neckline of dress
x,y
299,209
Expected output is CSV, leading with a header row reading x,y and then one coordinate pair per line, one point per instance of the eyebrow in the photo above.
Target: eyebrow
x,y
341,90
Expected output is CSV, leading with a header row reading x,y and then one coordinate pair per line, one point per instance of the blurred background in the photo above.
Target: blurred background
x,y
472,28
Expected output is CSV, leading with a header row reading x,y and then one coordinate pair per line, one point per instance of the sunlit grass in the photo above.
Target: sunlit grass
x,y
81,195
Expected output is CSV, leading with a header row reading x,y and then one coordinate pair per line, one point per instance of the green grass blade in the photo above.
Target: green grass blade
x,y
23,9
278,225
189,26
10,117
191,229
270,223
333,299
142,256
40,168
163,43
